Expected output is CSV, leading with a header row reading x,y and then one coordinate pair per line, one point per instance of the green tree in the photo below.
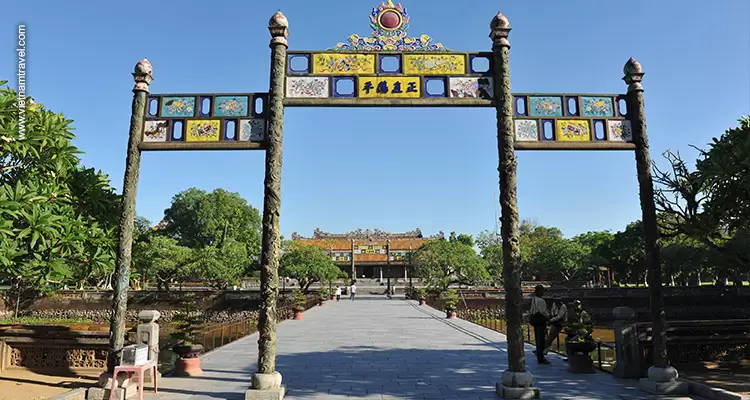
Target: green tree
x,y
57,218
491,249
597,245
309,264
162,259
462,238
710,204
197,219
222,266
555,258
628,253
444,263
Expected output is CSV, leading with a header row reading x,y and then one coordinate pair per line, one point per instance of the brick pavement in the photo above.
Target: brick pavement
x,y
385,349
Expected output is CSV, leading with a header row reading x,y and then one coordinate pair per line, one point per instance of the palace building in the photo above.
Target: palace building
x,y
370,254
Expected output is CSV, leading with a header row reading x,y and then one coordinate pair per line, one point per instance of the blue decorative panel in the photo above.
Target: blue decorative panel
x,y
432,93
337,81
545,106
597,107
390,58
300,61
177,107
231,106
520,108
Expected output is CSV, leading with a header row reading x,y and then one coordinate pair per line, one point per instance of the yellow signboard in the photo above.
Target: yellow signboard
x,y
571,130
434,64
343,64
390,86
203,130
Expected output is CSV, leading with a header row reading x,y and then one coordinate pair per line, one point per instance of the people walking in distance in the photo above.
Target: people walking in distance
x,y
338,293
559,318
353,290
538,317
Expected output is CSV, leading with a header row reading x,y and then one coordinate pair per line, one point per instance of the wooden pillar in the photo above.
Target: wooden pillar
x,y
516,382
269,265
142,77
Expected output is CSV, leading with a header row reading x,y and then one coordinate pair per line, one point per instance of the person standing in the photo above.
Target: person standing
x,y
560,317
338,293
353,290
538,318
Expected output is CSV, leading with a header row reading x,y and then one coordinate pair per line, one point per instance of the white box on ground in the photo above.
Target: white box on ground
x,y
135,354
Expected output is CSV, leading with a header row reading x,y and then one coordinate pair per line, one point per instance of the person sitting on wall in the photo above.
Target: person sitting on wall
x,y
560,317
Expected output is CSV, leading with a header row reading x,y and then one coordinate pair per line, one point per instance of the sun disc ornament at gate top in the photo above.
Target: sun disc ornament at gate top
x,y
389,23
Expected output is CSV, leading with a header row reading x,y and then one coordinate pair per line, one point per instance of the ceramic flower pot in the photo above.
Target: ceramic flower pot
x,y
421,302
450,314
297,315
187,367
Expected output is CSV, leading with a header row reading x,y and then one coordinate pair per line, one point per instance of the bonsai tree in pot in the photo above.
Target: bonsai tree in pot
x,y
450,301
578,340
299,300
188,348
422,296
322,296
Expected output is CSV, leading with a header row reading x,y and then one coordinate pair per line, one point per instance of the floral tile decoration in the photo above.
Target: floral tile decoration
x,y
308,86
231,106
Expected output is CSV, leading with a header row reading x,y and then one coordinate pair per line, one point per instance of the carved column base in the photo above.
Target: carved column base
x,y
663,381
125,388
517,385
265,387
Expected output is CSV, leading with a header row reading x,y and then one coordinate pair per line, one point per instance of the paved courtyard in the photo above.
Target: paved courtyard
x,y
375,348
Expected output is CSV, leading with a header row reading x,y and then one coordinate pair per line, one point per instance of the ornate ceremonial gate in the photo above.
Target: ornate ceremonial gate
x,y
389,69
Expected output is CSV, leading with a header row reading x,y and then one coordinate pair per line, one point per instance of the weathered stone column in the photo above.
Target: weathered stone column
x,y
147,332
266,383
516,381
142,77
661,377
626,344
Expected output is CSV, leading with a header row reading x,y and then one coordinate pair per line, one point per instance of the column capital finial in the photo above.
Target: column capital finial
x,y
499,30
142,75
278,25
633,74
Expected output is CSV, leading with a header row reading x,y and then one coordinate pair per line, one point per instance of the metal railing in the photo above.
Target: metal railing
x,y
219,335
605,358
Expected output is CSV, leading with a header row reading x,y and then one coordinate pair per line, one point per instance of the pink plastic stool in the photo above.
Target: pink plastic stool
x,y
140,370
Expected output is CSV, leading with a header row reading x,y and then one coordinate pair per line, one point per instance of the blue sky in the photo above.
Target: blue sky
x,y
392,169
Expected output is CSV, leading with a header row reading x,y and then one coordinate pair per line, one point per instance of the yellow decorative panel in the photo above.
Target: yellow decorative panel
x,y
571,130
343,64
390,86
434,64
203,131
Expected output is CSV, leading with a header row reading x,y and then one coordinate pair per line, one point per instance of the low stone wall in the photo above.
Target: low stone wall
x,y
132,315
216,306
52,348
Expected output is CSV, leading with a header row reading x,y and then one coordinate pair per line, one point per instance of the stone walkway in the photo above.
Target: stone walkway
x,y
385,349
